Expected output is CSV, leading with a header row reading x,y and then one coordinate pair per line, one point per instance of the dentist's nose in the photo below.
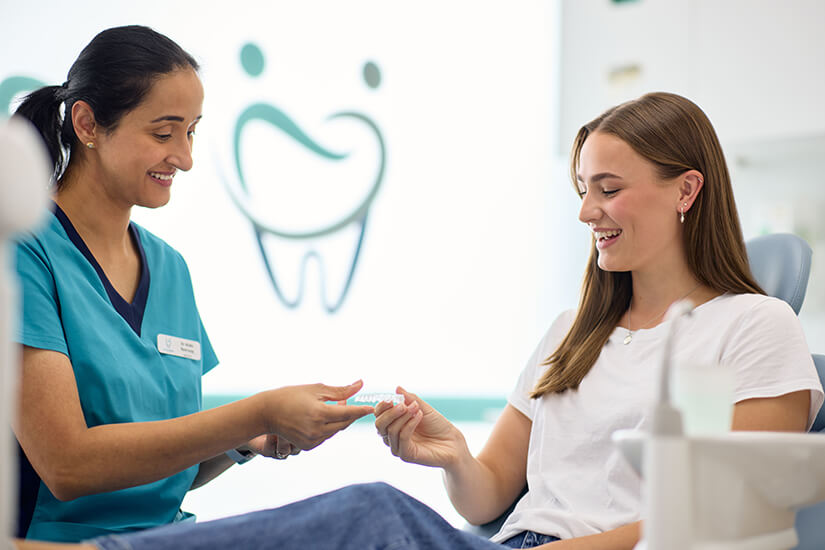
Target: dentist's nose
x,y
181,156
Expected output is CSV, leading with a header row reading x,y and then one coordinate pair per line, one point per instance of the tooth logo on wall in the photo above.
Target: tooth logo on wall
x,y
12,87
307,193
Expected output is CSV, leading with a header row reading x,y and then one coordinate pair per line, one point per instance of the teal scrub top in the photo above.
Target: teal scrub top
x,y
70,307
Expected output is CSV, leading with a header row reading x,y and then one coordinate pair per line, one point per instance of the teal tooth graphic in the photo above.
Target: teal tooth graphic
x,y
11,87
323,242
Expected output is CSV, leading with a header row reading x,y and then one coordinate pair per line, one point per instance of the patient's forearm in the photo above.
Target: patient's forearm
x,y
37,545
473,490
621,538
482,488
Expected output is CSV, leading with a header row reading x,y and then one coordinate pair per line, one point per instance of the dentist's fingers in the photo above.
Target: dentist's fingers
x,y
335,427
303,416
346,413
340,393
283,448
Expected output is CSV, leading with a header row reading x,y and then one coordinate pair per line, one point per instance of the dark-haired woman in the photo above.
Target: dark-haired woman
x,y
656,193
113,346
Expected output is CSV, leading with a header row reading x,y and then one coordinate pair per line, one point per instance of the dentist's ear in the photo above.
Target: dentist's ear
x,y
84,124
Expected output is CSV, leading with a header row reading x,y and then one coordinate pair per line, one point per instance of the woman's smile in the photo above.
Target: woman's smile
x,y
163,178
606,237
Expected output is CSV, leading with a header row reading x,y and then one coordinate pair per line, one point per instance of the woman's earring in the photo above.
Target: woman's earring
x,y
90,144
682,210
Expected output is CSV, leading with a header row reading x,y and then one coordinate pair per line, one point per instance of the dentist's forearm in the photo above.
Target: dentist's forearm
x,y
116,456
210,469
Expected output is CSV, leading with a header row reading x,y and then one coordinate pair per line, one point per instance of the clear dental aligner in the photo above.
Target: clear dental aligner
x,y
395,398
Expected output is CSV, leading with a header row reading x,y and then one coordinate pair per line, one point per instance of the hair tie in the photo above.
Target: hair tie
x,y
61,92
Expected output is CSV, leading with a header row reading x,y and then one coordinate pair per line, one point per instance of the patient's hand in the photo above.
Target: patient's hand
x,y
416,432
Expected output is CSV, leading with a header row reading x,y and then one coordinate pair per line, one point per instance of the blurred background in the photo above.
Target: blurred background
x,y
380,188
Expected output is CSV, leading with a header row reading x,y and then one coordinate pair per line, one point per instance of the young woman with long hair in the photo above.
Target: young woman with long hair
x,y
657,197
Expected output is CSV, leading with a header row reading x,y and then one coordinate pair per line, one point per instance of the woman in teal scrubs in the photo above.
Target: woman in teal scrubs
x,y
111,428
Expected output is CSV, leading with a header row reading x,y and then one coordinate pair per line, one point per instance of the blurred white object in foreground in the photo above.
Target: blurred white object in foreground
x,y
24,192
729,491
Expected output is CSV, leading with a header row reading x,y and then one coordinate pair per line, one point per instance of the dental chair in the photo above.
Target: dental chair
x,y
810,521
781,264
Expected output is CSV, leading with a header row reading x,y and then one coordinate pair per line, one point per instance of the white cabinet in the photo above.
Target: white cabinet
x,y
757,67
760,67
613,52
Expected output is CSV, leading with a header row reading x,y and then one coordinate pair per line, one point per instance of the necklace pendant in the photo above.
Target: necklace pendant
x,y
628,338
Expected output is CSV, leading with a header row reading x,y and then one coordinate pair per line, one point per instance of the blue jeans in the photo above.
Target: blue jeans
x,y
359,517
528,539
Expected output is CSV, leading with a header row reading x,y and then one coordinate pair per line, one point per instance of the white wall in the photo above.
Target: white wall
x,y
457,280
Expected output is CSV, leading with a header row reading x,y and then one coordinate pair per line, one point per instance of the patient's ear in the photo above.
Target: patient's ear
x,y
690,184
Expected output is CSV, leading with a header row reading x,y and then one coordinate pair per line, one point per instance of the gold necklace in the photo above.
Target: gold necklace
x,y
629,337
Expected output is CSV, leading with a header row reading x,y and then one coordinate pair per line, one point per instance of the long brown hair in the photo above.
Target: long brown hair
x,y
675,135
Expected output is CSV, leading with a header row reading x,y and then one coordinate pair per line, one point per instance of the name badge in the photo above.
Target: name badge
x,y
179,347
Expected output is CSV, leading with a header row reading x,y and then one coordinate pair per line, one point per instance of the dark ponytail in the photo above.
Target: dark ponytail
x,y
113,74
42,108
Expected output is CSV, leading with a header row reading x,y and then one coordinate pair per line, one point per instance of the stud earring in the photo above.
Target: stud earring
x,y
682,210
90,144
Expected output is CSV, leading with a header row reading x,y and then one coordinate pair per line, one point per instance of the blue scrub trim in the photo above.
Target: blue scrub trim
x,y
27,494
131,313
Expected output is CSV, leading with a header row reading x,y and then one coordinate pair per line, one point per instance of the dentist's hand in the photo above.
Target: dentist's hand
x,y
301,416
416,432
272,446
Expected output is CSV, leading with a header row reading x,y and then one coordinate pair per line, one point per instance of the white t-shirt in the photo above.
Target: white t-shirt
x,y
578,483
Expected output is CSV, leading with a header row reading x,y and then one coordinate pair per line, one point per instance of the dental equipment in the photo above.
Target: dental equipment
x,y
667,460
394,398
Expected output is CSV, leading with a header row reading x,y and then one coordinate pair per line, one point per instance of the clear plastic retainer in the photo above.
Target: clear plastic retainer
x,y
395,398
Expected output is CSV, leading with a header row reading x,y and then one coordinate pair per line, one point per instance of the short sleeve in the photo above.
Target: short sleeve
x,y
520,396
768,351
208,358
40,325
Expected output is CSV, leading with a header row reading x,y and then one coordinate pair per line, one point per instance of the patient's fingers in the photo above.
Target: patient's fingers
x,y
405,434
394,430
383,420
383,407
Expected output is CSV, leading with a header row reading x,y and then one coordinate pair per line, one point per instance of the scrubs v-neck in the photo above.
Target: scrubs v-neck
x,y
69,306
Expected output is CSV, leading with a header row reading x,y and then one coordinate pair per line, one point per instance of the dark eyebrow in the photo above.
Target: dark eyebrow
x,y
599,177
170,118
173,118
